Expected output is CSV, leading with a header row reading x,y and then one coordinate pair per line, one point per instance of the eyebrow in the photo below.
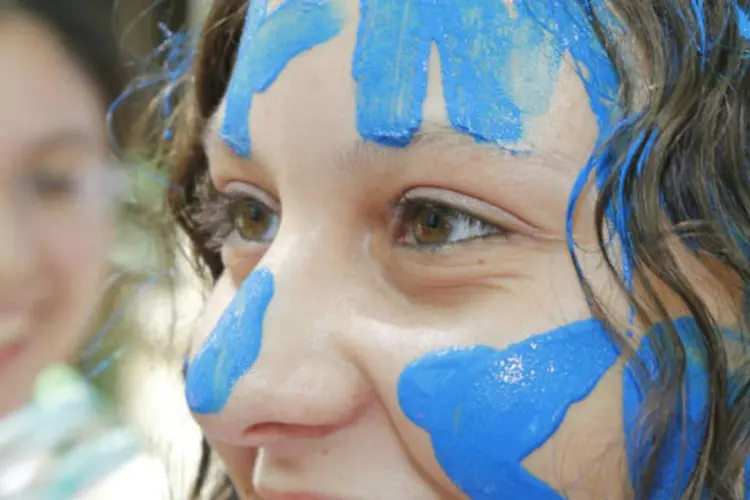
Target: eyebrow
x,y
430,135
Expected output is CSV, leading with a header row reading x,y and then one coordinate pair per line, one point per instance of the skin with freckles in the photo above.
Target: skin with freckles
x,y
382,257
54,218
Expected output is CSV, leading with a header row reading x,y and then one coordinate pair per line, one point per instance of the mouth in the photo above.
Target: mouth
x,y
11,351
14,327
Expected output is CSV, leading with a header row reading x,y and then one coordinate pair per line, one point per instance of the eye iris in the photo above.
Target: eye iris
x,y
251,221
432,226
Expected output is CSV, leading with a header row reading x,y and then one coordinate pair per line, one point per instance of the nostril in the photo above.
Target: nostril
x,y
282,430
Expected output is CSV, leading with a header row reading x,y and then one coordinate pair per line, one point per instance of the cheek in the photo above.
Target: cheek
x,y
74,255
486,410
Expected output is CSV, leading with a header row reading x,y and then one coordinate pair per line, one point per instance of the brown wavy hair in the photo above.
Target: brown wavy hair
x,y
687,183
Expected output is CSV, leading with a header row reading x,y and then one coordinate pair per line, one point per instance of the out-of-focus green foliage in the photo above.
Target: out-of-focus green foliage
x,y
142,259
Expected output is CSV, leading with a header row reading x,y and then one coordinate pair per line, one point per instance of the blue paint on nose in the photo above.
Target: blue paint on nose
x,y
232,348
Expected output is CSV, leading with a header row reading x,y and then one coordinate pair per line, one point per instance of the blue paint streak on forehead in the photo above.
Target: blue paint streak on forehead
x,y
232,348
682,443
570,23
498,67
268,43
487,409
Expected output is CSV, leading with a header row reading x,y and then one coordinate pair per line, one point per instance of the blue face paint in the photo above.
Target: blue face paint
x,y
268,44
743,22
683,442
488,409
232,348
498,67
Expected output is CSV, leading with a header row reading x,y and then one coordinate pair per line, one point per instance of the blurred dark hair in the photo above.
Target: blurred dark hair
x,y
84,28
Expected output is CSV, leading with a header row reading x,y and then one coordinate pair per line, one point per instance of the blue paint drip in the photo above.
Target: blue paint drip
x,y
700,19
232,348
488,409
682,444
268,43
497,68
179,49
743,22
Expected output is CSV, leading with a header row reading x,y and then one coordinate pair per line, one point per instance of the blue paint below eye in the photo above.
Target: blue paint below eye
x,y
268,44
232,348
488,409
498,68
682,443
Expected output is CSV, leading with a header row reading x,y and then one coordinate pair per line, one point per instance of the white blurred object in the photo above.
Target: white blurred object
x,y
62,444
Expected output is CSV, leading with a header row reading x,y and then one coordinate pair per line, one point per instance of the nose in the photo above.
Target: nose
x,y
270,370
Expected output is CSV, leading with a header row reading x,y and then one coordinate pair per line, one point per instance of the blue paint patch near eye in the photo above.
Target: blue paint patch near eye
x,y
682,443
487,409
498,67
232,348
268,43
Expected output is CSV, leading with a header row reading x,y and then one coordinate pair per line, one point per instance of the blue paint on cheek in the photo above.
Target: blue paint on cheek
x,y
498,67
488,409
683,442
268,44
232,348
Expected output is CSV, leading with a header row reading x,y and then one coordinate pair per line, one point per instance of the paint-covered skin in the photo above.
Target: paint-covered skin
x,y
231,349
359,295
267,45
493,80
487,409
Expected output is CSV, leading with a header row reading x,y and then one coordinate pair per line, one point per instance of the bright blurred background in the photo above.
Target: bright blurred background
x,y
141,328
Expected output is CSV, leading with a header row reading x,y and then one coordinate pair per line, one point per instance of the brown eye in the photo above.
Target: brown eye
x,y
253,221
431,225
425,224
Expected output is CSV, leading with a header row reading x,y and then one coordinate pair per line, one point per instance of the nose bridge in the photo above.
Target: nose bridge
x,y
272,359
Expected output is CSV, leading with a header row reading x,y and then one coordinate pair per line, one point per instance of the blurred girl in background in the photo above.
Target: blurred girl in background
x,y
61,69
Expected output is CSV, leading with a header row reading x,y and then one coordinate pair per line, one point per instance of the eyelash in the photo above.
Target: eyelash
x,y
216,212
215,218
472,227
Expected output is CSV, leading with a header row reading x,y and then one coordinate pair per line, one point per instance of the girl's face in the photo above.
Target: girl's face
x,y
53,223
399,316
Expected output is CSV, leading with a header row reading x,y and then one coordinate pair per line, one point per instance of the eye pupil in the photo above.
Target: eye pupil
x,y
251,221
432,226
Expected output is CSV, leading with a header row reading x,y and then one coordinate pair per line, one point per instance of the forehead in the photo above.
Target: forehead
x,y
43,94
324,74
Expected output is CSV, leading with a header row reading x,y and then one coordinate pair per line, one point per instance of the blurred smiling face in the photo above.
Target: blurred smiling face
x,y
399,316
53,219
